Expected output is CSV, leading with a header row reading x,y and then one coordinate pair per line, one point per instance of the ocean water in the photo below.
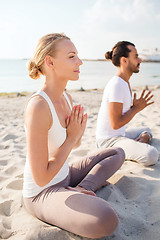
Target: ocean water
x,y
94,75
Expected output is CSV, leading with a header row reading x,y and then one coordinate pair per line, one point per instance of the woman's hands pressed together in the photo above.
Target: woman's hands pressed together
x,y
76,124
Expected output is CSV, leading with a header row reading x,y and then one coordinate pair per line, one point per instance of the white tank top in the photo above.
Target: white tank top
x,y
56,137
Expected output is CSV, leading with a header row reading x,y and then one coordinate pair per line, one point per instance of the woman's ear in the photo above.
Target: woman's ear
x,y
49,62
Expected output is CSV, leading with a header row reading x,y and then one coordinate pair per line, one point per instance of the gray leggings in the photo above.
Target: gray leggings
x,y
80,213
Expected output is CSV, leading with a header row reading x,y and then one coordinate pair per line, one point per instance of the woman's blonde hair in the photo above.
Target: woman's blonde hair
x,y
46,46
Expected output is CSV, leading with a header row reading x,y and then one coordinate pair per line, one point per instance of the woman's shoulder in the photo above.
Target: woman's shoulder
x,y
36,103
36,109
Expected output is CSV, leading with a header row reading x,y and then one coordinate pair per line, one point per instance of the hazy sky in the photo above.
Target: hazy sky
x,y
93,25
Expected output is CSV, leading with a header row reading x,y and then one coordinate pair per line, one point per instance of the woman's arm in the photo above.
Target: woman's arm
x,y
38,120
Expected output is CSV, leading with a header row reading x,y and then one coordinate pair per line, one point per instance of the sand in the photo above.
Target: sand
x,y
134,191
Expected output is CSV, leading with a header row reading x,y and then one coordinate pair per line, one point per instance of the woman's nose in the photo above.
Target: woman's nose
x,y
80,62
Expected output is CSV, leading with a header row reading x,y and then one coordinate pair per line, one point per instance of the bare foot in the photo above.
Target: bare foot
x,y
81,189
144,138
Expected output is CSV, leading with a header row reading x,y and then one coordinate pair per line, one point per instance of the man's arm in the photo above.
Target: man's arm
x,y
118,119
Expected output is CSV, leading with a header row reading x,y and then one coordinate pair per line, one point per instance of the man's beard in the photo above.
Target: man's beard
x,y
134,69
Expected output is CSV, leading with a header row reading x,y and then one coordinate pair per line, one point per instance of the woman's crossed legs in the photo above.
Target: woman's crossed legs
x,y
77,212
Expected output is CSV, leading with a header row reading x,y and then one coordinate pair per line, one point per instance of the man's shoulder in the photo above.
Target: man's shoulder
x,y
116,82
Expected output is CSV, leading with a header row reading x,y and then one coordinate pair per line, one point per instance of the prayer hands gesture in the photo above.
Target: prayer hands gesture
x,y
143,101
76,124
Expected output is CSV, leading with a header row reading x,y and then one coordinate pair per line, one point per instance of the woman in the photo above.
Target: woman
x,y
54,190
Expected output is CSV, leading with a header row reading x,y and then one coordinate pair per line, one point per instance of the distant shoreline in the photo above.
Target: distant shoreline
x,y
25,93
95,73
104,60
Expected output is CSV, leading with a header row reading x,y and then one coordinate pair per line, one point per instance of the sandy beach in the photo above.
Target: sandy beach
x,y
134,190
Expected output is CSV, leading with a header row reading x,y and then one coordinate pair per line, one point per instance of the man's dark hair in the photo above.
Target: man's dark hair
x,y
119,50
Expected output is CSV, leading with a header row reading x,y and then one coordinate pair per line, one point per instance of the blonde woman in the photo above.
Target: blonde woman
x,y
54,190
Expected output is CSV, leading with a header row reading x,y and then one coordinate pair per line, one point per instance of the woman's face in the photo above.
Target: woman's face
x,y
66,61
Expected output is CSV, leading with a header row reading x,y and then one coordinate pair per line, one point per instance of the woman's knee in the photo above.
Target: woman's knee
x,y
106,223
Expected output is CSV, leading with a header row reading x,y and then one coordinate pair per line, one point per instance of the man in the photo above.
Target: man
x,y
117,109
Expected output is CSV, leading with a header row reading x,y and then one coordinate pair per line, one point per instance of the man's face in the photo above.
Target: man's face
x,y
133,60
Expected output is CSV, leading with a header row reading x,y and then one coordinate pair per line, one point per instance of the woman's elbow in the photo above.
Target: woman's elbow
x,y
41,182
115,126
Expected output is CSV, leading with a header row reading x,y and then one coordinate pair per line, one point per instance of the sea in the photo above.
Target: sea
x,y
93,75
